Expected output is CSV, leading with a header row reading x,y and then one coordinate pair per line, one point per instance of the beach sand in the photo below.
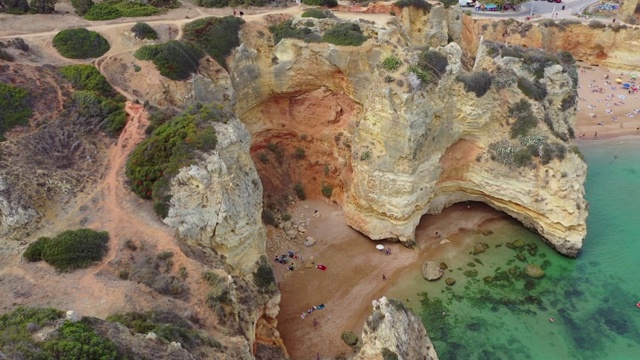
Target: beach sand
x,y
354,267
354,273
617,123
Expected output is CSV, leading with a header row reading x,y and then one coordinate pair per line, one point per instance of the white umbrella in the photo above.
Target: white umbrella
x,y
380,247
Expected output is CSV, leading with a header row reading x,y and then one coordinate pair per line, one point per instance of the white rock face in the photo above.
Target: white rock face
x,y
392,326
217,202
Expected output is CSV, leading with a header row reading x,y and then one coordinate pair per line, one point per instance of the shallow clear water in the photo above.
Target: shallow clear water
x,y
592,298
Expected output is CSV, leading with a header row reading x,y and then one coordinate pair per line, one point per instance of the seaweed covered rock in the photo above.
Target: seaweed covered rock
x,y
431,271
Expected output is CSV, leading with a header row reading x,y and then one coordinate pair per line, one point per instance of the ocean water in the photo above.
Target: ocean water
x,y
503,314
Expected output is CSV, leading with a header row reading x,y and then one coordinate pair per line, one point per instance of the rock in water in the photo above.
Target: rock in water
x,y
431,271
450,281
534,271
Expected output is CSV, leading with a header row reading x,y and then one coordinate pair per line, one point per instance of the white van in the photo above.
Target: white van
x,y
466,3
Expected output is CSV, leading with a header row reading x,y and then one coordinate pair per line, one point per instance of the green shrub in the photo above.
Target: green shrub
x,y
268,217
389,355
175,59
533,90
34,251
433,62
80,44
569,101
448,3
327,3
327,190
167,325
216,36
525,120
299,153
315,13
144,31
16,330
595,24
88,104
263,277
75,249
212,3
299,189
15,108
477,82
161,208
285,29
391,63
80,341
87,77
350,338
82,6
420,4
347,34
113,9
170,147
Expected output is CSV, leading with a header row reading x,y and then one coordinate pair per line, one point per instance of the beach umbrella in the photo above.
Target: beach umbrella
x,y
626,86
380,247
619,81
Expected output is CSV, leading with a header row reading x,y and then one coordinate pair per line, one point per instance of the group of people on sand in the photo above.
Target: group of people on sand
x,y
284,259
612,100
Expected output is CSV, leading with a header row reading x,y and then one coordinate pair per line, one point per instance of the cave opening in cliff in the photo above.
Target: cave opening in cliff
x,y
301,145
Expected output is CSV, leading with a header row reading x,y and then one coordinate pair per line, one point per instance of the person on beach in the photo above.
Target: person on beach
x,y
315,322
384,277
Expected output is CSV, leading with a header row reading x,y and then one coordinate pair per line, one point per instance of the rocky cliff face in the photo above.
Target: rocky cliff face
x,y
393,329
610,45
216,202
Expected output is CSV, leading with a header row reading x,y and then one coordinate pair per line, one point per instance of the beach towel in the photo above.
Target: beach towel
x,y
321,267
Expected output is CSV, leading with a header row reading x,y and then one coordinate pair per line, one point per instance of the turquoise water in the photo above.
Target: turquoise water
x,y
592,298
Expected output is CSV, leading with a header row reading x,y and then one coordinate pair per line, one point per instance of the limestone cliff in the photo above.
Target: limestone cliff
x,y
217,202
393,329
611,45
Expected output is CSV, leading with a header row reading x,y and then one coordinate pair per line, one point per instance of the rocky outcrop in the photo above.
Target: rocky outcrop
x,y
431,271
393,329
217,202
613,45
428,149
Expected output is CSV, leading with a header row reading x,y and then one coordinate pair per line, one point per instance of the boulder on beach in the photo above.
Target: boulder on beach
x,y
534,271
431,271
309,241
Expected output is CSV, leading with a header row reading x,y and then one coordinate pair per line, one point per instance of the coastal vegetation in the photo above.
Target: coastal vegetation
x,y
316,13
69,250
15,108
420,4
20,7
171,146
216,36
391,63
175,60
167,325
80,44
225,3
96,98
71,340
113,9
326,3
430,67
346,34
144,31
286,29
477,82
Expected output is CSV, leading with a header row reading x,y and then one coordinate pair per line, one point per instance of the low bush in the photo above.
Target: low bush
x,y
175,60
477,82
34,251
89,105
299,189
170,147
569,101
167,325
212,3
82,6
346,34
80,341
388,354
315,13
432,62
144,31
15,108
269,217
113,9
327,3
285,29
327,190
532,89
595,24
80,44
350,338
263,277
299,153
16,329
216,36
391,63
420,4
72,249
525,120
87,77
